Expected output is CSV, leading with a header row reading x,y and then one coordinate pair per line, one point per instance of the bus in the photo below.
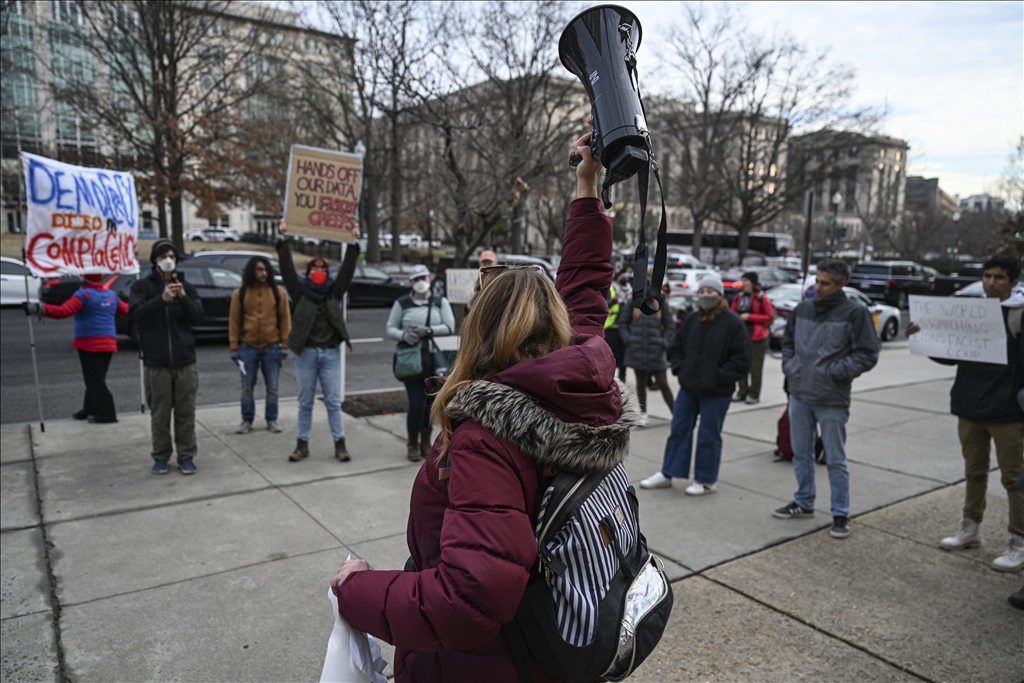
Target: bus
x,y
721,247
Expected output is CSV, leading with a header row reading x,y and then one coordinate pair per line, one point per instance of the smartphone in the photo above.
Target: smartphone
x,y
177,276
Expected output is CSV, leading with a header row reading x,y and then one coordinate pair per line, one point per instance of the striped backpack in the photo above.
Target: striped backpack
x,y
598,602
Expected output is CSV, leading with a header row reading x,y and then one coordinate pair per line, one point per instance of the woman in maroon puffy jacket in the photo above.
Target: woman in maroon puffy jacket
x,y
533,390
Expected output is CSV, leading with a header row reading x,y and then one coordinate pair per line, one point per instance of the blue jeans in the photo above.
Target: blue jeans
x,y
679,447
254,359
803,421
418,417
324,364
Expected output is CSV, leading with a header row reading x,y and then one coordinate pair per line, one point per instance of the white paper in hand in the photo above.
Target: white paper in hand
x,y
352,656
241,367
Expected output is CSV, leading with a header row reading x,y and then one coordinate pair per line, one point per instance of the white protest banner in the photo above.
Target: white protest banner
x,y
958,328
459,284
80,220
321,196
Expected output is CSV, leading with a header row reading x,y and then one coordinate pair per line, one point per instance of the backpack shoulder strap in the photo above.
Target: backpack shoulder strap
x,y
1013,320
405,301
277,295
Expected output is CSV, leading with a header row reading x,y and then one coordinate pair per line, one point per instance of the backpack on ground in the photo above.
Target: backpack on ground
x,y
598,602
784,447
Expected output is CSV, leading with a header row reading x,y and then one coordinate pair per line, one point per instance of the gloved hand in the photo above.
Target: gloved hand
x,y
410,337
33,308
282,354
235,356
422,331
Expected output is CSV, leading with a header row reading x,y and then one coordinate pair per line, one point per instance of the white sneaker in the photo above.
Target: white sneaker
x,y
966,537
1013,559
643,419
656,481
696,489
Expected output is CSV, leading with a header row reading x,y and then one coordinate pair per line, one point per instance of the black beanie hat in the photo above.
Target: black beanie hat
x,y
161,247
752,276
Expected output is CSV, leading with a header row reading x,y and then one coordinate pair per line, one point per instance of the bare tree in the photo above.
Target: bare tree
x,y
694,127
176,93
1012,186
497,119
384,64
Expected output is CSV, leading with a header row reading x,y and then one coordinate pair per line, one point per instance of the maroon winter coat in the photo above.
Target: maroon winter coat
x,y
473,540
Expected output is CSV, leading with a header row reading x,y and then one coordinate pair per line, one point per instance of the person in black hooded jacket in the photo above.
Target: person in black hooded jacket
x,y
318,331
164,307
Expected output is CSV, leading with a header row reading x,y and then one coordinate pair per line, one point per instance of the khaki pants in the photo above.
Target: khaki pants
x,y
757,349
1009,442
172,390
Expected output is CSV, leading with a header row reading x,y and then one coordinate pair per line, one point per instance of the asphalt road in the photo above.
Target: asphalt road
x,y
60,375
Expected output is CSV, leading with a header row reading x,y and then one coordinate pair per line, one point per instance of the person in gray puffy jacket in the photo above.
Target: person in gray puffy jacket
x,y
829,342
648,338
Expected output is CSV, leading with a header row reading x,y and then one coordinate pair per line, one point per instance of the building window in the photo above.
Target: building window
x,y
881,153
897,168
67,12
213,29
772,170
270,38
881,166
899,155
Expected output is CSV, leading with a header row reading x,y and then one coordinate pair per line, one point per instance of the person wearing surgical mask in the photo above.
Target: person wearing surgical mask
x,y
165,307
416,317
709,354
317,332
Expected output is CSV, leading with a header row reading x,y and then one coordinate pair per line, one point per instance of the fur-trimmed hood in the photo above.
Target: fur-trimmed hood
x,y
518,419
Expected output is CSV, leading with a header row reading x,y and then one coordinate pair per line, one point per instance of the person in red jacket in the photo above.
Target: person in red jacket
x,y
94,307
756,311
533,390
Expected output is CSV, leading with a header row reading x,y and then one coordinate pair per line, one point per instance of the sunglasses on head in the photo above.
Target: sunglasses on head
x,y
488,272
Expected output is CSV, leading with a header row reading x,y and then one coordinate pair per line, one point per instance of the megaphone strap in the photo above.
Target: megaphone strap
x,y
642,297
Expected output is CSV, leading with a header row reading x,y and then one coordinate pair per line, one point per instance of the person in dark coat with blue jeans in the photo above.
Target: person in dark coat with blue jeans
x,y
710,353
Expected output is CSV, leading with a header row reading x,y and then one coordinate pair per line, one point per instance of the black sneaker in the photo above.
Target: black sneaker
x,y
793,511
840,527
1017,599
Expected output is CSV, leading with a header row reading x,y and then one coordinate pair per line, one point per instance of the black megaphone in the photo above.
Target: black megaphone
x,y
599,47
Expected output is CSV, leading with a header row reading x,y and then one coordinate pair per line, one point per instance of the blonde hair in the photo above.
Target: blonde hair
x,y
517,315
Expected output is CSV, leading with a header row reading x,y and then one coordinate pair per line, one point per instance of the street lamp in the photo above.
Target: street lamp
x,y
360,151
836,198
956,242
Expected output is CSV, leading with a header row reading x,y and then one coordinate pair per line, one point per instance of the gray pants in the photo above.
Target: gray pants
x,y
172,390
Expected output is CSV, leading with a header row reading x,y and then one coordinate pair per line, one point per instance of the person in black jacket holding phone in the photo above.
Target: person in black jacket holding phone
x,y
165,307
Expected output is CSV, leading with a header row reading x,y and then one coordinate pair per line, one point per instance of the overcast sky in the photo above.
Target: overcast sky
x,y
952,73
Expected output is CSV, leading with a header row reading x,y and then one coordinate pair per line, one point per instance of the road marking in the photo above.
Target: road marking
x,y
368,340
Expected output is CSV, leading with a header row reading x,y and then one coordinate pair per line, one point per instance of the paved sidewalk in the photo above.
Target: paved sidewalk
x,y
112,574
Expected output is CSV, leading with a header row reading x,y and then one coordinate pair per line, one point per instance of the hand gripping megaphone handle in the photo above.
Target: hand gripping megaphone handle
x,y
576,159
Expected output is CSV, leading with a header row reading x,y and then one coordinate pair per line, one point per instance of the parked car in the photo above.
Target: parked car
x,y
57,290
213,235
398,271
891,282
680,259
238,259
12,282
973,289
945,285
446,262
785,298
215,282
679,305
767,276
371,286
684,281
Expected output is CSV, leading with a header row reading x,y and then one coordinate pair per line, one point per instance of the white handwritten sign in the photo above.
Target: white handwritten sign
x,y
958,328
80,220
459,284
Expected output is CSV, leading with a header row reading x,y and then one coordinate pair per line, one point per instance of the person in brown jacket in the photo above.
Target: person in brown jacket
x,y
258,328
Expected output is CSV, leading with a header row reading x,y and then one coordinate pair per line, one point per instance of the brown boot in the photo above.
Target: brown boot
x,y
412,447
301,451
425,442
340,452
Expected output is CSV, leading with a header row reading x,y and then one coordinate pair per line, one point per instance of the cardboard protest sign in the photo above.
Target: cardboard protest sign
x,y
80,220
459,284
322,193
958,328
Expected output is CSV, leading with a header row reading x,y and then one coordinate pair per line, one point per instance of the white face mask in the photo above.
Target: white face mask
x,y
421,286
166,264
